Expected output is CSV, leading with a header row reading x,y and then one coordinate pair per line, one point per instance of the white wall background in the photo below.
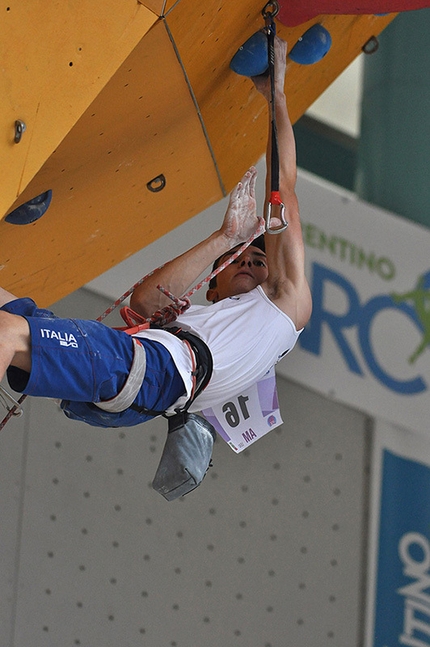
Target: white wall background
x,y
268,552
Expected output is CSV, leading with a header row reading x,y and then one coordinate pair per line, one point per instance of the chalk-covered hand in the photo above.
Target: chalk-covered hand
x,y
240,220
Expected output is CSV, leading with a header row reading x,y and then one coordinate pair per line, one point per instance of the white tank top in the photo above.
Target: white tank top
x,y
247,335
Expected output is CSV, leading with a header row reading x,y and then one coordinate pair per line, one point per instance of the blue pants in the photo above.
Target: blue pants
x,y
81,362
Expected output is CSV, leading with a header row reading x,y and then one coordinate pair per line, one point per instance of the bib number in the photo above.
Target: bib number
x,y
248,416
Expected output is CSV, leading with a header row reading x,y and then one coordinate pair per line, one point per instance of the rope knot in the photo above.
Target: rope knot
x,y
169,313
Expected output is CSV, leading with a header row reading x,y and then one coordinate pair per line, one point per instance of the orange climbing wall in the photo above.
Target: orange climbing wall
x,y
143,124
55,59
171,107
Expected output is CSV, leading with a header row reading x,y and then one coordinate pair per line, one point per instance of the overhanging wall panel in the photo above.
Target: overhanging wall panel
x,y
142,124
56,57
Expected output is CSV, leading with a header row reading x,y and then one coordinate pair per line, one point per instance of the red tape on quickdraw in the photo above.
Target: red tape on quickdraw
x,y
275,198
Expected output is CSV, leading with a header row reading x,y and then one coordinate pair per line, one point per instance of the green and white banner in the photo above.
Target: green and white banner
x,y
367,343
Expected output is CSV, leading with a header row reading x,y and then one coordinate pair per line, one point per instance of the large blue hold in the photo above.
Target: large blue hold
x,y
31,210
312,46
252,58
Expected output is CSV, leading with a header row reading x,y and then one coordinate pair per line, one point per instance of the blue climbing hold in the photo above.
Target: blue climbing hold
x,y
312,46
252,58
31,210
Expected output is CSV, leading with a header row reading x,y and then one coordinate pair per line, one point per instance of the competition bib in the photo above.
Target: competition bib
x,y
242,420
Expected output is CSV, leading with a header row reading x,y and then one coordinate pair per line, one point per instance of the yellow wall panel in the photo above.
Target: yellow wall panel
x,y
55,59
141,125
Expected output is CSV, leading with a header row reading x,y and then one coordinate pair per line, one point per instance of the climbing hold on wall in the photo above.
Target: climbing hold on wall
x,y
31,210
312,46
251,59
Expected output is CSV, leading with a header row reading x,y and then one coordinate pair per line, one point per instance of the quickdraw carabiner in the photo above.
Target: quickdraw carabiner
x,y
275,200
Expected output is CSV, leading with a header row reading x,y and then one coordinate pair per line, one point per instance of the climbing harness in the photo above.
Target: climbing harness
x,y
269,12
201,370
201,373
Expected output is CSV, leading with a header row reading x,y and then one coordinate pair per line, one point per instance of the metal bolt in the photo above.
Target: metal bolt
x,y
20,128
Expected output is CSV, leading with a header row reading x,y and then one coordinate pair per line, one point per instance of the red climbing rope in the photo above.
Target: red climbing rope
x,y
169,313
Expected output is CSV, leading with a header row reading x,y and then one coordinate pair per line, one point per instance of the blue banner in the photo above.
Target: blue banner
x,y
402,604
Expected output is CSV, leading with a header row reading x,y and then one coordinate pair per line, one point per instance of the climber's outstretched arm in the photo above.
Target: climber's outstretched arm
x,y
240,222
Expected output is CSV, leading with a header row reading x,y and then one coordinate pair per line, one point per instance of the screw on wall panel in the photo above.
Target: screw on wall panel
x,y
20,128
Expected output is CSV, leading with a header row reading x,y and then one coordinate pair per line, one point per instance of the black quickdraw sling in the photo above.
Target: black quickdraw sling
x,y
269,12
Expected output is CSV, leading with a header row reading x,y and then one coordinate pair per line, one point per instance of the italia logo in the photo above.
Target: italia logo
x,y
64,338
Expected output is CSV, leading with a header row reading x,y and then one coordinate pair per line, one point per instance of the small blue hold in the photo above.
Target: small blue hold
x,y
252,58
31,210
312,46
